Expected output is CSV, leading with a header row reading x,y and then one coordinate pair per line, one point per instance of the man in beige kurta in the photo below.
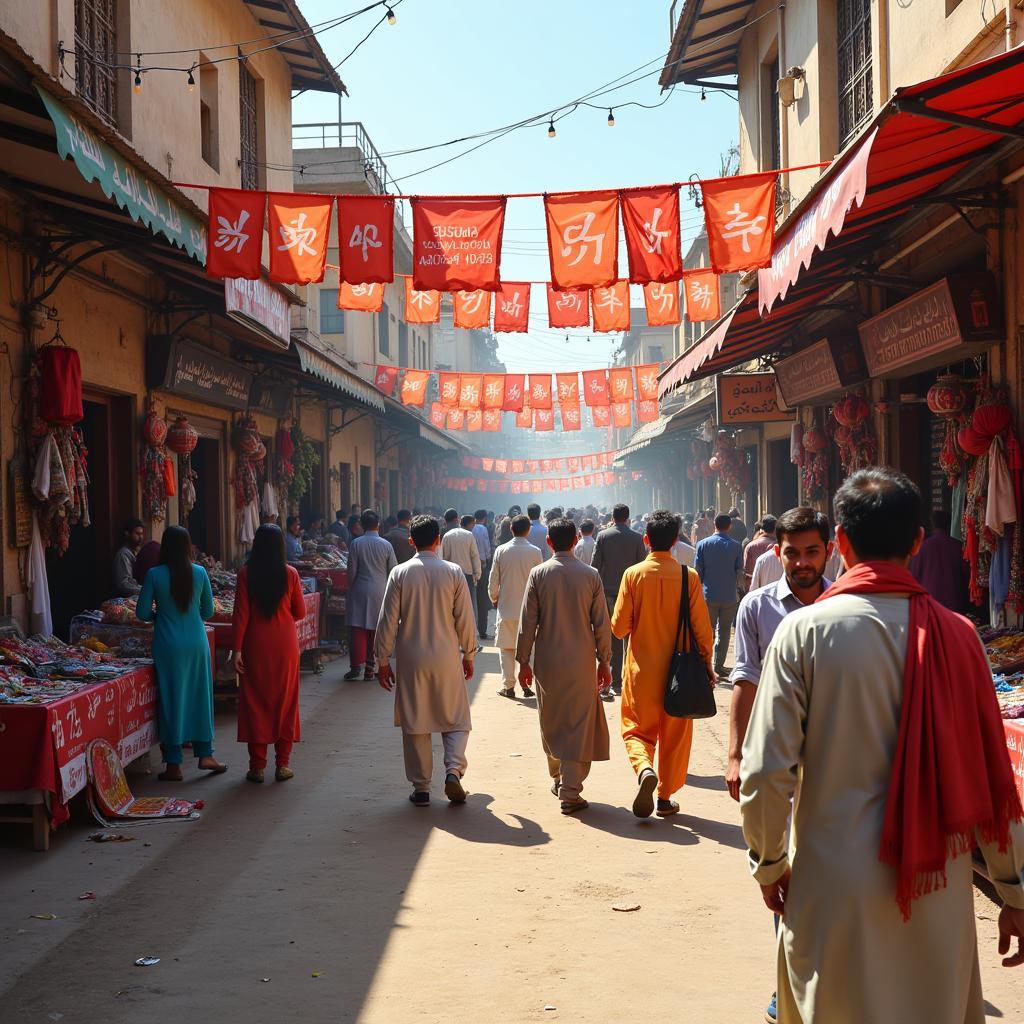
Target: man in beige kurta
x,y
564,625
507,584
426,622
822,733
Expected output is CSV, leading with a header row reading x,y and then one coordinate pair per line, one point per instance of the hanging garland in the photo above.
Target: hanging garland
x,y
304,460
850,429
815,463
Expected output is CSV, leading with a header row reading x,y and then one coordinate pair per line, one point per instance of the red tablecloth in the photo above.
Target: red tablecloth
x,y
338,578
1015,745
308,628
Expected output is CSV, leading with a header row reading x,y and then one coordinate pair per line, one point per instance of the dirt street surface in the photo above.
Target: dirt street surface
x,y
331,898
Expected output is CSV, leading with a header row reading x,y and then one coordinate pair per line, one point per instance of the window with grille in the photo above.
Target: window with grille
x,y
249,128
96,55
855,100
332,319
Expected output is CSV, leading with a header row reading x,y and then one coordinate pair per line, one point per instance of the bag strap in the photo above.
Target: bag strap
x,y
683,641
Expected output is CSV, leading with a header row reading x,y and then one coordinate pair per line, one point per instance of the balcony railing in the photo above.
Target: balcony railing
x,y
346,135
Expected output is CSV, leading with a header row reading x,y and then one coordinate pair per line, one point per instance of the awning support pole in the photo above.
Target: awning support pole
x,y
916,106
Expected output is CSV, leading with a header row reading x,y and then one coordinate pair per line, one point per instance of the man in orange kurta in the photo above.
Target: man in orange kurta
x,y
647,611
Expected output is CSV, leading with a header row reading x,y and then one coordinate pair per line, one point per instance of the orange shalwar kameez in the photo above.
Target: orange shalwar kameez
x,y
647,611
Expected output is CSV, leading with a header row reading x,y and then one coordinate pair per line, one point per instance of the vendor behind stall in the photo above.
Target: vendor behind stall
x,y
293,539
125,584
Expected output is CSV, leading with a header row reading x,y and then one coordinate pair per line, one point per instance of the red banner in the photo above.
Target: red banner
x,y
647,382
622,414
544,419
601,415
235,233
512,308
646,411
662,304
650,217
571,419
437,413
421,307
470,390
518,466
568,385
620,385
524,418
494,391
385,378
515,392
611,307
568,309
583,238
299,226
739,216
414,387
366,230
448,387
363,298
457,243
474,420
456,419
702,297
472,309
540,390
595,387
492,420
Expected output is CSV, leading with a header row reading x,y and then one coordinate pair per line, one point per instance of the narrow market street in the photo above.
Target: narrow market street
x,y
355,906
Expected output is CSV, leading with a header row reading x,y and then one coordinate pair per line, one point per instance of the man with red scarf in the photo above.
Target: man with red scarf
x,y
876,712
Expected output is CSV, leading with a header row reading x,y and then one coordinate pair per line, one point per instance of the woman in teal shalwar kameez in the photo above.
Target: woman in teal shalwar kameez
x,y
176,595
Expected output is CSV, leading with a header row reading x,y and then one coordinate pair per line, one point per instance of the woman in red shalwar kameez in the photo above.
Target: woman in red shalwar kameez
x,y
268,603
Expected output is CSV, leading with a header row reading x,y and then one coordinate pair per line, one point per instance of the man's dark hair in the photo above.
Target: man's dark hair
x,y
802,520
403,515
533,510
450,515
620,513
480,515
514,511
562,533
369,520
290,522
339,516
734,513
941,520
880,511
132,524
466,522
768,524
520,525
587,527
424,530
723,521
662,530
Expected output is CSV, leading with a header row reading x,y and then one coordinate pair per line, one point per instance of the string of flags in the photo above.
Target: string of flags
x,y
570,463
565,483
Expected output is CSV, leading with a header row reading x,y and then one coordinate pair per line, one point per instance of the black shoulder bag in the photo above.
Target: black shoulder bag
x,y
688,692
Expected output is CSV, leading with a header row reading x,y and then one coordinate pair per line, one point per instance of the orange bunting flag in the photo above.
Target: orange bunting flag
x,y
456,419
414,387
471,387
532,466
512,308
515,392
702,297
662,303
457,243
474,420
472,309
493,394
568,385
595,387
363,298
524,418
572,465
299,226
601,415
571,419
437,412
492,420
540,390
739,217
622,414
448,384
385,378
500,465
583,238
235,233
568,309
620,385
421,307
487,465
646,411
611,307
544,419
366,231
647,382
517,466
650,217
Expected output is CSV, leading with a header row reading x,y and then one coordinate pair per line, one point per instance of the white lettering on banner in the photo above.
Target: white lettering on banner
x,y
743,225
648,381
382,378
420,299
471,301
663,294
513,392
297,235
94,702
700,294
470,394
566,391
493,391
513,306
72,777
653,236
231,237
364,237
597,386
577,236
456,231
605,298
57,727
569,301
74,723
571,414
412,384
539,392
450,389
365,290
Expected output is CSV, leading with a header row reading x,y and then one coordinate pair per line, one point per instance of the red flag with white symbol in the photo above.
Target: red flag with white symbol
x,y
571,419
662,304
512,308
611,307
457,243
494,391
492,420
595,387
472,309
650,217
620,384
421,307
544,419
414,387
517,466
299,226
515,392
524,418
366,230
384,379
471,387
540,390
702,297
235,233
437,412
449,387
622,414
646,411
739,216
474,420
568,385
363,298
456,419
647,382
567,308
583,238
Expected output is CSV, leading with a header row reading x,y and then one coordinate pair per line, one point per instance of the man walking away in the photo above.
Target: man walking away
x,y
459,547
757,547
505,528
719,563
425,620
683,550
483,547
538,536
564,625
585,545
703,526
399,537
739,528
370,559
617,548
647,611
940,567
507,585
892,756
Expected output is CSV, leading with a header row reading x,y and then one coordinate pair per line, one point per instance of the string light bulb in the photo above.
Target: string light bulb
x,y
191,80
611,118
703,94
391,16
137,88
551,129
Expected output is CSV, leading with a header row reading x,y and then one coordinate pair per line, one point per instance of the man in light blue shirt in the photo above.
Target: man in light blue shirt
x,y
538,535
719,563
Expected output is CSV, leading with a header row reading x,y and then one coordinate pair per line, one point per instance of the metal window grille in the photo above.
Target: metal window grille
x,y
249,128
855,100
95,55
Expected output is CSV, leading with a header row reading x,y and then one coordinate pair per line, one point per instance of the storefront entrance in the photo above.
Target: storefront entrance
x,y
783,493
204,522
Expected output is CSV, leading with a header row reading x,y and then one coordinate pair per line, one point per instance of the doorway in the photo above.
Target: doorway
x,y
365,487
204,522
783,490
313,504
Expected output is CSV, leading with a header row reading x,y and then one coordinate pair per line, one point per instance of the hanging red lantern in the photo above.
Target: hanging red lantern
x,y
154,429
182,437
948,395
992,419
972,441
842,435
851,410
815,440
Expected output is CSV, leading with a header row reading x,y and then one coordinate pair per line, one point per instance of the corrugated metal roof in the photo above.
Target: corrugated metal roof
x,y
325,365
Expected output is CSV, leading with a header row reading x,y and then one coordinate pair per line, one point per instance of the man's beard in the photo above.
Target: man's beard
x,y
805,579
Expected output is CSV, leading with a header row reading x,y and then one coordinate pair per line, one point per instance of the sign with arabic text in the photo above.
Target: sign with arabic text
x,y
749,398
820,371
188,369
261,307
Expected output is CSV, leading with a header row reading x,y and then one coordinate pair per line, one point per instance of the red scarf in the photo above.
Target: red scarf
x,y
951,773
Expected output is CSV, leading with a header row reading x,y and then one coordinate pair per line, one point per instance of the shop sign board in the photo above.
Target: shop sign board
x,y
749,398
259,306
924,328
187,369
271,397
819,371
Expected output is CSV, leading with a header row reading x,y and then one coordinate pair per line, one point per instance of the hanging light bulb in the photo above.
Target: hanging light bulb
x,y
191,80
611,118
703,94
551,129
391,17
137,87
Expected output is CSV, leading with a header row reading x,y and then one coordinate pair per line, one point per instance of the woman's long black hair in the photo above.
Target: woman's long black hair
x,y
268,571
176,554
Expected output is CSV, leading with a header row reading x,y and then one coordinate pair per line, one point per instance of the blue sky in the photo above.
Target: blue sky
x,y
451,68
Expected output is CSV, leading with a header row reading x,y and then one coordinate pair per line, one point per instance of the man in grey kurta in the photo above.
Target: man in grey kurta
x,y
823,733
426,622
564,625
370,559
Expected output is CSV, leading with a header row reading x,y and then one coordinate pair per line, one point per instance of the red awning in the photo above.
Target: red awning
x,y
924,138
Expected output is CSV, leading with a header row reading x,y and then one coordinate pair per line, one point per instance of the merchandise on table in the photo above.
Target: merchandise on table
x,y
1004,647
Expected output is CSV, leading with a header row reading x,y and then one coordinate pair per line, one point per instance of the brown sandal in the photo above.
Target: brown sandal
x,y
215,769
170,775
